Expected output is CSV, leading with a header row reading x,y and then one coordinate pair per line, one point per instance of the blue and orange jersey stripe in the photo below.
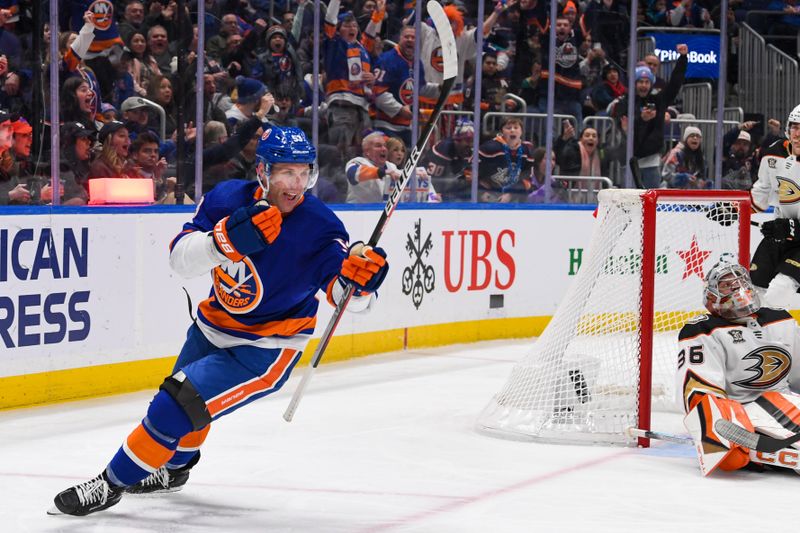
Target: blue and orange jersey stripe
x,y
209,312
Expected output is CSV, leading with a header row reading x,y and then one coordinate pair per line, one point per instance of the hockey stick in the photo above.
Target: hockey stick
x,y
754,441
636,172
668,437
450,66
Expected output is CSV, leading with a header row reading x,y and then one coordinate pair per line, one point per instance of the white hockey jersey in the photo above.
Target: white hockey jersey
x,y
738,361
778,183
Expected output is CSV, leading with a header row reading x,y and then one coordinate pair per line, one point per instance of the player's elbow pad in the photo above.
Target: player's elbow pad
x,y
194,255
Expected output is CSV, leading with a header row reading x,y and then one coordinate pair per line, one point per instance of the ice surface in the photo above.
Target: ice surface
x,y
384,443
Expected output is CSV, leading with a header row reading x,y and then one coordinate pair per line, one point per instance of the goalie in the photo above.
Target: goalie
x,y
736,363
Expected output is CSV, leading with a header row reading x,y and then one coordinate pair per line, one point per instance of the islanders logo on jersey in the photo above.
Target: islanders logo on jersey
x,y
237,286
771,364
788,191
103,11
407,91
437,61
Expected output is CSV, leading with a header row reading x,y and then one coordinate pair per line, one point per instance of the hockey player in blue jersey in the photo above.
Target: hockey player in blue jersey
x,y
270,249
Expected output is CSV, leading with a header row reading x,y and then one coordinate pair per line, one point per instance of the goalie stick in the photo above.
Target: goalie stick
x,y
754,441
450,67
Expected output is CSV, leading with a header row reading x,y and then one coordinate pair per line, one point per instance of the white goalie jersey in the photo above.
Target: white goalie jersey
x,y
736,360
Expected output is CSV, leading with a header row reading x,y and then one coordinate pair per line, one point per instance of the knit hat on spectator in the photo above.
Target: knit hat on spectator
x,y
645,72
570,6
134,102
691,130
464,129
21,126
608,68
109,128
275,29
744,136
249,90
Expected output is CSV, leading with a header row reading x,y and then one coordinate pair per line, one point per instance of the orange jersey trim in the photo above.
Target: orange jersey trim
x,y
284,328
193,440
242,392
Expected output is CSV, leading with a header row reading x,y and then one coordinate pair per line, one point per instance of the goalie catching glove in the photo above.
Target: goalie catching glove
x,y
780,229
248,230
365,267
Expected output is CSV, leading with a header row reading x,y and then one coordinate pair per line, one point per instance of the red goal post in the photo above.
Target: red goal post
x,y
607,357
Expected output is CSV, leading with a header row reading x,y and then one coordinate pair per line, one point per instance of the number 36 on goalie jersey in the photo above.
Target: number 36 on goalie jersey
x,y
739,361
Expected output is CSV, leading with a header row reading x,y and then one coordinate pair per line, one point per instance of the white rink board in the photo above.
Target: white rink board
x,y
120,282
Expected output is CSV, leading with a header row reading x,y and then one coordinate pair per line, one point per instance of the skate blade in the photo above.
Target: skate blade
x,y
153,493
54,511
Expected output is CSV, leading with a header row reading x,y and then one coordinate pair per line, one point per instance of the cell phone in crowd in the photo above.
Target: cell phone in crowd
x,y
651,105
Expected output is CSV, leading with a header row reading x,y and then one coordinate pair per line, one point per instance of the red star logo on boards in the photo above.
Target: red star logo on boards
x,y
694,258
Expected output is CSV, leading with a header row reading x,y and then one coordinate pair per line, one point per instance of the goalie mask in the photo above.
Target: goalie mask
x,y
284,145
729,293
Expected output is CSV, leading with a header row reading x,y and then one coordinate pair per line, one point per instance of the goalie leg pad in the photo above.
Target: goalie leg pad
x,y
776,414
714,451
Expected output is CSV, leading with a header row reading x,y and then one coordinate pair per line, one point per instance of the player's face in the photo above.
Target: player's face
x,y
794,136
287,183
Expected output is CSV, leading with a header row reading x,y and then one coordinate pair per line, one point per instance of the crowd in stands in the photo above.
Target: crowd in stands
x,y
127,96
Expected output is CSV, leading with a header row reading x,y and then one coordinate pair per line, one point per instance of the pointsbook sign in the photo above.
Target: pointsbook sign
x,y
703,52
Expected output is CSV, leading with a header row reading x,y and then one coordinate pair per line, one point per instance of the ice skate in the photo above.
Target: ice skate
x,y
164,479
88,497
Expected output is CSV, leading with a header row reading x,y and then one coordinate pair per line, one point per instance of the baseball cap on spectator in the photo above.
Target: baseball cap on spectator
x,y
744,136
7,116
71,131
644,72
249,90
21,126
691,130
109,128
134,102
347,16
608,68
275,29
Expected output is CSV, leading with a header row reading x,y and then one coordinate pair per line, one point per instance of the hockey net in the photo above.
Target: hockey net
x,y
608,356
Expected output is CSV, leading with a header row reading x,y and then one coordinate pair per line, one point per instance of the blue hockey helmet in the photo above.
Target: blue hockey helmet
x,y
284,145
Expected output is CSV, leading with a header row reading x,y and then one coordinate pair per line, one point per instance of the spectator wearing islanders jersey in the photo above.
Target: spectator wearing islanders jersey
x,y
448,162
370,176
279,63
568,73
106,35
73,51
466,48
394,87
505,165
349,76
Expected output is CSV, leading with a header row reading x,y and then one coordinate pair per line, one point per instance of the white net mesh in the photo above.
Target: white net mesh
x,y
580,382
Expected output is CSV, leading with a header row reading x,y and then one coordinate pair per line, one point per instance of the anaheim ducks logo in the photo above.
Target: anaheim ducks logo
x,y
237,286
103,12
772,364
788,191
